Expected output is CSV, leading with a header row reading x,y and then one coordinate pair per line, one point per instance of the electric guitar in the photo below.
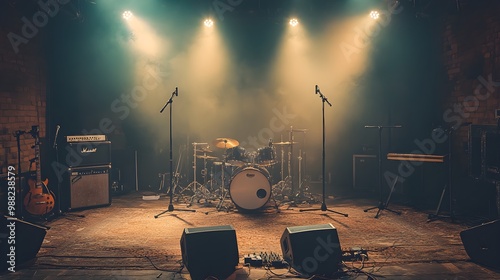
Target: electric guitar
x,y
39,200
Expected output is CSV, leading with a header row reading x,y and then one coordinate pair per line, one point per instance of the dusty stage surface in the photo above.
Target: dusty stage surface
x,y
126,241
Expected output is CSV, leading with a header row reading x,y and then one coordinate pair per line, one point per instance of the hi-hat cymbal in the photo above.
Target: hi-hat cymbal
x,y
285,143
225,143
207,157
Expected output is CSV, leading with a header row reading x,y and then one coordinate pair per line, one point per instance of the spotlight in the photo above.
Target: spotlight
x,y
294,22
209,22
374,14
127,15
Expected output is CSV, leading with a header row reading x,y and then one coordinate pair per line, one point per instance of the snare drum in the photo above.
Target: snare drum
x,y
250,188
265,156
236,156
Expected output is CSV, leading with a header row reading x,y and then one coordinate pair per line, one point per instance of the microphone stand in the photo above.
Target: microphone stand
x,y
382,205
323,204
55,147
170,192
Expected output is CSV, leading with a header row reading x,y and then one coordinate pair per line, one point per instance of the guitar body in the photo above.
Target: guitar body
x,y
39,200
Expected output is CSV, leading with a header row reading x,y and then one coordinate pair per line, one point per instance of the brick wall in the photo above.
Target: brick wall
x,y
22,86
471,56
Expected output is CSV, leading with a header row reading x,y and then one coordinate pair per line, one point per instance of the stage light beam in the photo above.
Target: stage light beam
x,y
294,22
127,15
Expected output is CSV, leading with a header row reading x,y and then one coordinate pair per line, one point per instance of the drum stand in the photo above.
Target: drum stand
x,y
323,204
223,191
199,191
281,188
171,193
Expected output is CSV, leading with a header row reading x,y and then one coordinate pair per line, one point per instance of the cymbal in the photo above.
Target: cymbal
x,y
285,143
207,157
224,143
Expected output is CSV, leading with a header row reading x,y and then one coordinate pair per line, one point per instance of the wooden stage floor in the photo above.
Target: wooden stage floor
x,y
125,241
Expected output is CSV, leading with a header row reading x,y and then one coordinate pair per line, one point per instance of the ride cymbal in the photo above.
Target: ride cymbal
x,y
225,143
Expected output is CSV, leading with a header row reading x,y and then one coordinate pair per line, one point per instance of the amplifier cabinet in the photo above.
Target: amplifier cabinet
x,y
87,187
79,154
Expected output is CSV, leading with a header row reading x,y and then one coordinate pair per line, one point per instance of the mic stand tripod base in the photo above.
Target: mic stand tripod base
x,y
172,209
384,206
324,209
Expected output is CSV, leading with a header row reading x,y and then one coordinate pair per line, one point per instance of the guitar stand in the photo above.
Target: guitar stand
x,y
384,205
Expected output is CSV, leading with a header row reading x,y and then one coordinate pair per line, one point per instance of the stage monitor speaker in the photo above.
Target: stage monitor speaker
x,y
20,242
88,187
312,250
482,243
210,251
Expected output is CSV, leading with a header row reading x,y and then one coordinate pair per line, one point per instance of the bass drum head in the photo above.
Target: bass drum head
x,y
250,189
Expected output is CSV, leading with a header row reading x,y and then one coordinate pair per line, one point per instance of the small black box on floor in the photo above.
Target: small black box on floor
x,y
482,243
20,242
210,251
365,172
312,250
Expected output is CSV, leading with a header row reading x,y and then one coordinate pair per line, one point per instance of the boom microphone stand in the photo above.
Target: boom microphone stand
x,y
323,204
381,204
170,192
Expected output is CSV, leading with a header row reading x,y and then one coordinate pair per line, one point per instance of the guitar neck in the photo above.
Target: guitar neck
x,y
37,160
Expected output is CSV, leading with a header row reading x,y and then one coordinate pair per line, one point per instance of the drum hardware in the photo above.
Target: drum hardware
x,y
323,203
199,191
224,143
237,156
265,156
250,188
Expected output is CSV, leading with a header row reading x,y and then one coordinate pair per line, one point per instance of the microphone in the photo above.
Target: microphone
x,y
176,91
316,89
55,137
270,142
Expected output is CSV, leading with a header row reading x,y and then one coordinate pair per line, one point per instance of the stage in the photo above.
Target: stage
x,y
126,241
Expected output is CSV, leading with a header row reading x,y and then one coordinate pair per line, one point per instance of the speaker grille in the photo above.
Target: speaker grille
x,y
312,250
210,251
88,187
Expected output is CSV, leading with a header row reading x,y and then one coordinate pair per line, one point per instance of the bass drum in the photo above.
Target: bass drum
x,y
250,188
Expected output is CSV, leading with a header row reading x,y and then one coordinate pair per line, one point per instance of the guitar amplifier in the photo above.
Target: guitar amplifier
x,y
79,154
87,187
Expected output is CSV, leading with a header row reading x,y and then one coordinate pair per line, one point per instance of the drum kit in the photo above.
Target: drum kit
x,y
243,177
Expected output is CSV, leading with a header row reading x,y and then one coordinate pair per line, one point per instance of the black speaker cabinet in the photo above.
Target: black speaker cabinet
x,y
312,250
78,154
87,187
482,243
210,251
20,242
